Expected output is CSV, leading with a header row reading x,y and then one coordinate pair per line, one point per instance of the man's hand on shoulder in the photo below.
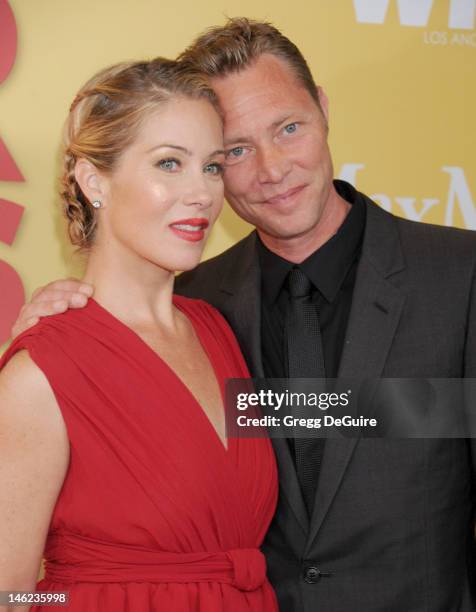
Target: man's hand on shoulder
x,y
51,299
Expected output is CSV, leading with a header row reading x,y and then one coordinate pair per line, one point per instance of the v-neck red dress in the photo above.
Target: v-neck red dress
x,y
154,513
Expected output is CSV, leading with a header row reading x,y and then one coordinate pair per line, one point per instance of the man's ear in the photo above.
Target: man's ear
x,y
90,180
324,102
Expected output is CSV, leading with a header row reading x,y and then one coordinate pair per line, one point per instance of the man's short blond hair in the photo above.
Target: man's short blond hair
x,y
222,50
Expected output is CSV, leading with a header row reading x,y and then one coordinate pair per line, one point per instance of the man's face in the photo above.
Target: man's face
x,y
279,172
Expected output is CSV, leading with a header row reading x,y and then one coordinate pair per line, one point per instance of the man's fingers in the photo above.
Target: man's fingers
x,y
69,285
36,310
74,300
31,313
52,299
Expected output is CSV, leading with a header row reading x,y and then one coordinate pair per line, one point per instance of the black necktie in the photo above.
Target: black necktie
x,y
305,360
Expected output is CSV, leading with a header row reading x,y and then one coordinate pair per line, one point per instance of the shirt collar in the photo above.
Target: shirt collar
x,y
328,266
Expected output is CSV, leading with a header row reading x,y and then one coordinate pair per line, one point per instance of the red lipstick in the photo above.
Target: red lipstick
x,y
192,230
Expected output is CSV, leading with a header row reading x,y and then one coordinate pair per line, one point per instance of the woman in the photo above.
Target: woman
x,y
113,448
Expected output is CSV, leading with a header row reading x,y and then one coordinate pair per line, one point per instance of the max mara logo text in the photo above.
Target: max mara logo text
x,y
458,198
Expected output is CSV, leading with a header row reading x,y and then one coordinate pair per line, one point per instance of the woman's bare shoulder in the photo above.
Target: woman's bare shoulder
x,y
34,458
27,402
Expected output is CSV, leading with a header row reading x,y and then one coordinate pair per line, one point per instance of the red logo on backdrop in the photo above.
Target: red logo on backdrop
x,y
11,286
8,30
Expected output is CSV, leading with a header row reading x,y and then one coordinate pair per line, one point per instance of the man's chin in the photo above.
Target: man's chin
x,y
282,233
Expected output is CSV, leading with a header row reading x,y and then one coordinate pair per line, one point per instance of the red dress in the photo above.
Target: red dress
x,y
154,513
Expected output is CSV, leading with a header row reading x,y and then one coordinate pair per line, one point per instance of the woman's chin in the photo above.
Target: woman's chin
x,y
187,267
184,264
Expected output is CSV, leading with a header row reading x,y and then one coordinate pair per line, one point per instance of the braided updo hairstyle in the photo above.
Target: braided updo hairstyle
x,y
104,119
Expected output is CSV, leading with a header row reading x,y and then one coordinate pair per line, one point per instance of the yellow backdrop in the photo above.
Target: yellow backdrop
x,y
400,75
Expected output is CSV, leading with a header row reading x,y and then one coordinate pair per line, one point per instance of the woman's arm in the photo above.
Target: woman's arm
x,y
34,456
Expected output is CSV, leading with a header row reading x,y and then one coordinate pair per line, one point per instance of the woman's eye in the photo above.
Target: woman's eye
x,y
214,168
291,128
169,164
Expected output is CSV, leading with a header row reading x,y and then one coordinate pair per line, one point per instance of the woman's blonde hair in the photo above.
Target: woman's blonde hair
x,y
104,119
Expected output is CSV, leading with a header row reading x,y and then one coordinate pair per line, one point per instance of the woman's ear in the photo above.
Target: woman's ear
x,y
90,181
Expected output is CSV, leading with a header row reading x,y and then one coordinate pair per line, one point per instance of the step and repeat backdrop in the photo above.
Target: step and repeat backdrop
x,y
400,76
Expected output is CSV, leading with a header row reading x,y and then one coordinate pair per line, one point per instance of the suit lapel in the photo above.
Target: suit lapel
x,y
375,312
289,484
242,308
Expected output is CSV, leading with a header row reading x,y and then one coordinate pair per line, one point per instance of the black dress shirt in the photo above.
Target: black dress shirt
x,y
331,270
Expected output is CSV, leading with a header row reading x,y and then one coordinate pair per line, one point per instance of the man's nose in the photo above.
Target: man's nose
x,y
273,165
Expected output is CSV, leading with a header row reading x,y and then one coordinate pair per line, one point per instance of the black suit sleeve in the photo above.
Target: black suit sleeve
x,y
470,374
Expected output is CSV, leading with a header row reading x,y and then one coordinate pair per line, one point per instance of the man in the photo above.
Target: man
x,y
371,524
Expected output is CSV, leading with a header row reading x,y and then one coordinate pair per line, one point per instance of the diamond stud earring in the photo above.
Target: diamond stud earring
x,y
97,204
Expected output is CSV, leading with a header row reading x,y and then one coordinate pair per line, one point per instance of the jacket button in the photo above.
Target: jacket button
x,y
311,575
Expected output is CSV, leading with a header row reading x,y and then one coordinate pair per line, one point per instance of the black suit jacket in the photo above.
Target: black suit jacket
x,y
393,521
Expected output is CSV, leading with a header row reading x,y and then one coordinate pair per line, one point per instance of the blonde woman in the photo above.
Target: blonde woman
x,y
113,458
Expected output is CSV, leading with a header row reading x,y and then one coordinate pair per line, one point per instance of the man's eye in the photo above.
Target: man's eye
x,y
169,164
291,128
214,168
235,152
